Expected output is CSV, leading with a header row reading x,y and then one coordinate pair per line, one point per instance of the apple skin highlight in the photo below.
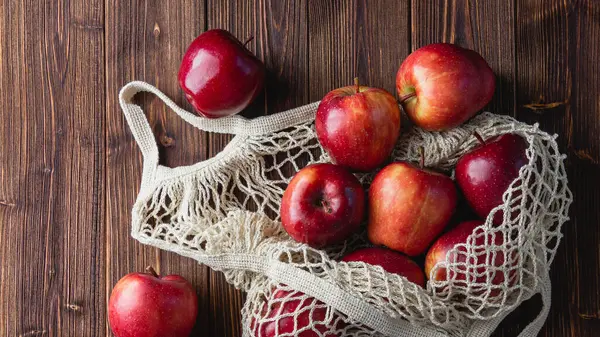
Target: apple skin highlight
x,y
358,126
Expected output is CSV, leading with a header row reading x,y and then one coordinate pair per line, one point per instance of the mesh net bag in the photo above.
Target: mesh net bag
x,y
223,212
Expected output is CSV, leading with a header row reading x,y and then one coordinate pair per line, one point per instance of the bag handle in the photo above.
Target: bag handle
x,y
142,132
357,309
487,328
235,125
533,328
322,290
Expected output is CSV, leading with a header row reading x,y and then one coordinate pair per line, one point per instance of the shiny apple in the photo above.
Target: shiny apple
x,y
147,305
358,126
322,205
486,172
219,76
409,206
442,85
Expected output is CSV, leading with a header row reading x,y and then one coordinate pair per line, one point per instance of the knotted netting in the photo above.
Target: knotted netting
x,y
224,212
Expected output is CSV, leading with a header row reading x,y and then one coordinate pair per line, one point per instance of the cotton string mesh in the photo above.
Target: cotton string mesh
x,y
224,213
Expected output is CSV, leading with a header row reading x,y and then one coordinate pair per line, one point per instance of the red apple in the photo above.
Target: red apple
x,y
358,126
390,261
486,172
294,316
219,76
487,267
409,206
322,205
442,85
146,305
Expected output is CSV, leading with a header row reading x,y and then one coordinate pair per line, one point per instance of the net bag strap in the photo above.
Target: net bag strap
x,y
142,132
533,328
486,328
235,125
323,290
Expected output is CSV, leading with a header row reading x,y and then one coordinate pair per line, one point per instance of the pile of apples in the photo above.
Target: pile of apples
x,y
407,208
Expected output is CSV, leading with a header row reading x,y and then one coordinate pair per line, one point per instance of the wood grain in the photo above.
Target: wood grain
x,y
70,170
52,168
484,26
349,39
557,52
146,41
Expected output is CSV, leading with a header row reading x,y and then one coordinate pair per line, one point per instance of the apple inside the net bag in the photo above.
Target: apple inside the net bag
x,y
224,212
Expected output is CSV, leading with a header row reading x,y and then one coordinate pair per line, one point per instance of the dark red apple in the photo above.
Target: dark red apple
x,y
409,207
358,126
219,76
390,261
322,205
486,267
442,85
294,316
146,305
486,172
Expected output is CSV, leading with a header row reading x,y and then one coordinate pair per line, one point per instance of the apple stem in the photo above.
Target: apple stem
x,y
250,38
151,271
356,85
422,156
479,138
326,206
407,97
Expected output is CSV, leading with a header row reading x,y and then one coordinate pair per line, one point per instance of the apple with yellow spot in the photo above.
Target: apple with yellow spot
x,y
409,206
358,126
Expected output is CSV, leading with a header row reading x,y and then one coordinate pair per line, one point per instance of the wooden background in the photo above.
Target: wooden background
x,y
70,170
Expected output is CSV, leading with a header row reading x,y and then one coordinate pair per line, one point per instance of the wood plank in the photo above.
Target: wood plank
x,y
52,168
484,26
70,170
557,52
280,41
146,41
356,38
